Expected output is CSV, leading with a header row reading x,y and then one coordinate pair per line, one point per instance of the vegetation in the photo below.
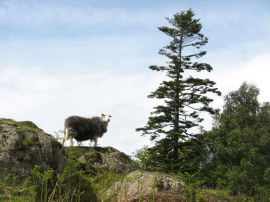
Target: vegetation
x,y
103,181
184,94
236,151
72,185
21,126
231,162
234,155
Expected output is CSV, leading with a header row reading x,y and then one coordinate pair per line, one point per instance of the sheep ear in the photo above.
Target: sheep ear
x,y
102,114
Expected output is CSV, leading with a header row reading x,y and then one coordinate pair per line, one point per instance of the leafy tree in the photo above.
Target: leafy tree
x,y
144,159
237,149
183,94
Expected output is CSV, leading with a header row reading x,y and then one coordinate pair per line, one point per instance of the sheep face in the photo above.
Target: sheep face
x,y
106,117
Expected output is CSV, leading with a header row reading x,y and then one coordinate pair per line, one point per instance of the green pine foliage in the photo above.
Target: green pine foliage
x,y
184,94
234,156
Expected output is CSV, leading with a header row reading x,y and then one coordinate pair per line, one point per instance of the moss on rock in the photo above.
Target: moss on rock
x,y
103,159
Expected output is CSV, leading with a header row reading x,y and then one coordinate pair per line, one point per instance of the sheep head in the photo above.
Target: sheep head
x,y
106,117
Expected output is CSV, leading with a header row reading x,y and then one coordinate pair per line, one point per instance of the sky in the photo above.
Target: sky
x,y
86,57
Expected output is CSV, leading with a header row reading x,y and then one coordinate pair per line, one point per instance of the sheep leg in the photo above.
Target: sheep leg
x,y
71,141
66,136
95,140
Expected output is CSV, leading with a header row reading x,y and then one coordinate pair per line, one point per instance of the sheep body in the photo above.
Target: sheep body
x,y
82,129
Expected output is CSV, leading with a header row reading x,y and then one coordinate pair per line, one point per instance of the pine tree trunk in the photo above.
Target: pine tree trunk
x,y
175,149
177,113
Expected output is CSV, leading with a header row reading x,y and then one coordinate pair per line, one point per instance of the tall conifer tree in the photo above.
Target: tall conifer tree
x,y
184,95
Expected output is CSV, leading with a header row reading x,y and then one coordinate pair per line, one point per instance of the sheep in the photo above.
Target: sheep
x,y
82,128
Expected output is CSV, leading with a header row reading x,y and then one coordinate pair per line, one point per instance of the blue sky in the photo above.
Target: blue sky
x,y
86,57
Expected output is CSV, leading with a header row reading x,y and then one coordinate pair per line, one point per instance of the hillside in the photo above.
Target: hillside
x,y
35,167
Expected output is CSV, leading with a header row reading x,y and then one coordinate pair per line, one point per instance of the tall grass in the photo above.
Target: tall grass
x,y
74,185
46,186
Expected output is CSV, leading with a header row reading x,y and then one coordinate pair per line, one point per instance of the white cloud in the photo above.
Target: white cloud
x,y
254,70
48,99
75,47
229,76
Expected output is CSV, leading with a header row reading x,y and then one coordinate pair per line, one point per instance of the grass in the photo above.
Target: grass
x,y
72,185
75,185
102,181
23,126
212,195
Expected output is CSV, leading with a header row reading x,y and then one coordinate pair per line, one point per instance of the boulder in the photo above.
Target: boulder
x,y
102,159
23,146
147,186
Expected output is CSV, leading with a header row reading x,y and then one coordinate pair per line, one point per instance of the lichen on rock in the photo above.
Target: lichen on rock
x,y
23,145
103,159
147,186
98,173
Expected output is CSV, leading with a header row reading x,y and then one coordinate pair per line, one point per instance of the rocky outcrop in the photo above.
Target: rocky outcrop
x,y
147,186
23,145
99,159
83,172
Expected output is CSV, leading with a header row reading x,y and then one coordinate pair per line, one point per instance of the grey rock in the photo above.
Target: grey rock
x,y
102,159
147,186
23,145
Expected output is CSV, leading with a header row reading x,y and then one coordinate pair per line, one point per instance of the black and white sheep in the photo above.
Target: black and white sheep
x,y
81,128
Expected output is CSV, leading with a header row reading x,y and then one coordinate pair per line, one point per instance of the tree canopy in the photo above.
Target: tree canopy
x,y
184,94
236,152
